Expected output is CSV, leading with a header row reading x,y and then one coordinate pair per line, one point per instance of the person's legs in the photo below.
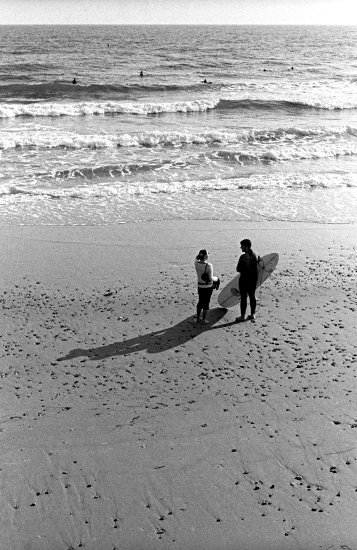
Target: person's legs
x,y
199,305
243,289
243,299
243,302
198,313
252,300
205,303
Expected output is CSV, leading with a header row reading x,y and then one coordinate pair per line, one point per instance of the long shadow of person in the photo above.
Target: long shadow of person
x,y
153,342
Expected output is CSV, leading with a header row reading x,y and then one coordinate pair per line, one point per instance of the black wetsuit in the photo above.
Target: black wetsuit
x,y
247,267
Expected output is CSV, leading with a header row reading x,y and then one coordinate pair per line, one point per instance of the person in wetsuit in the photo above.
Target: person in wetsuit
x,y
248,268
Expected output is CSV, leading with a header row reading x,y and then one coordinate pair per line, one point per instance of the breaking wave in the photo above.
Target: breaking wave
x,y
48,137
87,108
8,110
122,189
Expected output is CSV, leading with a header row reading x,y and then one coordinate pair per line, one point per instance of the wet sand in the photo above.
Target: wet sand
x,y
124,425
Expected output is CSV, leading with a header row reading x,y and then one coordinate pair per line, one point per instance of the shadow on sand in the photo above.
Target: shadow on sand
x,y
153,342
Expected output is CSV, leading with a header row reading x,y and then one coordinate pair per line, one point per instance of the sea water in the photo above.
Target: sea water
x,y
270,135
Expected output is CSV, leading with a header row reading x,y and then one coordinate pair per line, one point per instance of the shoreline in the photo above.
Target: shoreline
x,y
162,238
124,425
302,205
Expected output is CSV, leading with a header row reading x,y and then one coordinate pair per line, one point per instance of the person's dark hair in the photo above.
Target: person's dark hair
x,y
202,254
246,242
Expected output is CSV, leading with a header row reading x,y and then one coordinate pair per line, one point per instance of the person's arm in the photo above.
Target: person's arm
x,y
210,272
240,265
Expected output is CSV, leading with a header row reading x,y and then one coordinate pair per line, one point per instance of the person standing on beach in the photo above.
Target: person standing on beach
x,y
204,271
247,267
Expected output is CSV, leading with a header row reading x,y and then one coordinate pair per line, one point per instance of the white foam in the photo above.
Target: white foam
x,y
101,108
47,137
321,94
293,180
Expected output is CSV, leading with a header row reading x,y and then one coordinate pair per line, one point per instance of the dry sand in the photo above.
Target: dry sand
x,y
124,426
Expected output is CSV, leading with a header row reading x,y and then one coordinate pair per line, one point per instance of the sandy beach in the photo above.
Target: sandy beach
x,y
125,426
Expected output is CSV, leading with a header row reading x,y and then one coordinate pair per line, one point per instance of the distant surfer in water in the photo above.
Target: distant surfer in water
x,y
204,271
141,74
247,267
74,81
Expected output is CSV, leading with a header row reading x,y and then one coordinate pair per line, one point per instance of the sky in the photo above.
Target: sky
x,y
120,12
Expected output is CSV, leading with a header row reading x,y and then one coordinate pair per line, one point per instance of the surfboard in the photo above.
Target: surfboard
x,y
230,295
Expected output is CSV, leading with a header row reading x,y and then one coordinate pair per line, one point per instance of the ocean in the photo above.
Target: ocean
x,y
251,123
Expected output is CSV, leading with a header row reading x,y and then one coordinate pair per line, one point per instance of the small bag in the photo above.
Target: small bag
x,y
205,276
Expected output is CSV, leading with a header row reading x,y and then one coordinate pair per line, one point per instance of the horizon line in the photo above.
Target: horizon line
x,y
179,24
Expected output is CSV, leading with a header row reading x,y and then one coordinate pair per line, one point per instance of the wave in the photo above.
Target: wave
x,y
285,104
294,180
108,171
85,108
338,139
291,95
104,108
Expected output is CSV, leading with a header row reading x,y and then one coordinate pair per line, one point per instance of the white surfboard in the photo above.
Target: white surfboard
x,y
230,295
